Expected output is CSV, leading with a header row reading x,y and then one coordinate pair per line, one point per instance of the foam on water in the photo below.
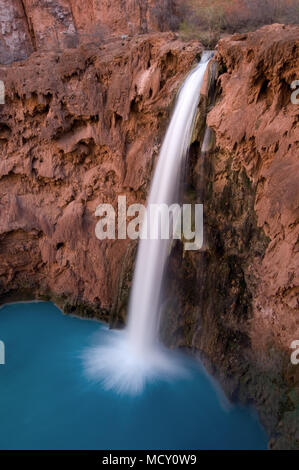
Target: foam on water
x,y
117,367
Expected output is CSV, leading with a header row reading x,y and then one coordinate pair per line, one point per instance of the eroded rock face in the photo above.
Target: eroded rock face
x,y
238,297
257,123
28,25
78,129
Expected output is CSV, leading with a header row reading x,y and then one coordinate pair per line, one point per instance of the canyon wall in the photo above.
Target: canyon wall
x,y
30,25
236,301
83,122
79,128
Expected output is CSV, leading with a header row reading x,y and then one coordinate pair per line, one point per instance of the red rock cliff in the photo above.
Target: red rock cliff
x,y
257,128
257,123
79,128
28,25
83,121
240,294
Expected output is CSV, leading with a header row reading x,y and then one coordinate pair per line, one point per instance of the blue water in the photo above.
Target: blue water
x,y
48,402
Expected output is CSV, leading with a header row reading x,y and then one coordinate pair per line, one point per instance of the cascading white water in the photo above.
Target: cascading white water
x,y
134,355
152,254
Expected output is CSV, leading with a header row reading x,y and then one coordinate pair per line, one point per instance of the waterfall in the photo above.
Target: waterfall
x,y
152,254
134,355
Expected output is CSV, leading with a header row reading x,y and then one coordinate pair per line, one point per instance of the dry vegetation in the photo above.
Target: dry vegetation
x,y
208,20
